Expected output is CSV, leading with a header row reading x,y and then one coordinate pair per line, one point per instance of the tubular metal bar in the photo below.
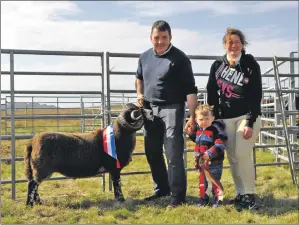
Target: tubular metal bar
x,y
193,169
52,178
254,162
272,135
69,116
122,91
282,90
279,113
59,96
273,145
143,153
203,91
18,137
52,92
51,73
56,103
124,55
279,128
200,74
103,97
281,75
269,70
205,57
46,52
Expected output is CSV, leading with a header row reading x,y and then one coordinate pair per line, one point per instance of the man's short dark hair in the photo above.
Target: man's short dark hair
x,y
161,25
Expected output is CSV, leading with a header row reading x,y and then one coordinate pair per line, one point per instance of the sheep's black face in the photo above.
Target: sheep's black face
x,y
132,118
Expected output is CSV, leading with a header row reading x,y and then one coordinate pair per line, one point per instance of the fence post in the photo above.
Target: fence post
x,y
82,113
57,113
185,145
26,118
13,139
32,113
292,106
277,122
5,114
261,137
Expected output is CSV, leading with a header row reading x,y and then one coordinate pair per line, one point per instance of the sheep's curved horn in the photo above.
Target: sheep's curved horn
x,y
133,115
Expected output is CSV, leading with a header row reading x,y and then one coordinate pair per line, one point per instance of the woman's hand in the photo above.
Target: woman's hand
x,y
247,132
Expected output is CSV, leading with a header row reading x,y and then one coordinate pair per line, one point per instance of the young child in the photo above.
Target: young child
x,y
210,139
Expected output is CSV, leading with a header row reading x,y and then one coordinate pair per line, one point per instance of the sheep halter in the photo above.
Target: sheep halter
x,y
109,143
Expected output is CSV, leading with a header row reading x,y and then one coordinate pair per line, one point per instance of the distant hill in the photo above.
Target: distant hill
x,y
22,105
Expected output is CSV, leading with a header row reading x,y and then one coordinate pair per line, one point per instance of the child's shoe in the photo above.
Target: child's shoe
x,y
203,201
215,202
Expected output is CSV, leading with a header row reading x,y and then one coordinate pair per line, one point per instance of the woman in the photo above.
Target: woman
x,y
235,89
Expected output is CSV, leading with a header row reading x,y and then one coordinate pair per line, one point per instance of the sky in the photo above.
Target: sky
x,y
271,28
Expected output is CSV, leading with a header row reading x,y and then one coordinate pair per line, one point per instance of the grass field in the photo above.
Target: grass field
x,y
83,201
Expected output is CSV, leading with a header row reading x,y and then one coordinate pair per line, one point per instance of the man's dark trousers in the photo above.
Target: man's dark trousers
x,y
167,129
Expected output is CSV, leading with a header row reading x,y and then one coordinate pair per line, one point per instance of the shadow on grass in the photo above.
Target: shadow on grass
x,y
276,206
268,204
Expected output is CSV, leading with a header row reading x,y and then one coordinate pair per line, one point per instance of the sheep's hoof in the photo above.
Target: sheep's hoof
x,y
38,203
29,204
121,199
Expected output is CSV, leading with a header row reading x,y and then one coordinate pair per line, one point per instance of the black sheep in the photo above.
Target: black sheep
x,y
82,155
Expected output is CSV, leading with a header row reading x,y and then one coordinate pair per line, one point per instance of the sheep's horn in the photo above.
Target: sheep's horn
x,y
133,115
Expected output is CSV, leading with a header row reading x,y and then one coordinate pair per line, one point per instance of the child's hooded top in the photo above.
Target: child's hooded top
x,y
212,139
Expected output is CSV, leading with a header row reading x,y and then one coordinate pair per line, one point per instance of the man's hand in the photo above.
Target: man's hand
x,y
247,132
190,126
140,99
189,131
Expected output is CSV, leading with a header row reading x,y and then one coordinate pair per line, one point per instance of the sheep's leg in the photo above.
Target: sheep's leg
x,y
118,195
32,191
37,198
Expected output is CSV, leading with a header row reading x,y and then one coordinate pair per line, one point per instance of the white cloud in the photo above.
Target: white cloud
x,y
170,8
40,25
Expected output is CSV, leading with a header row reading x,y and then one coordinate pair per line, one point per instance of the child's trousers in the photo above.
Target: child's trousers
x,y
216,171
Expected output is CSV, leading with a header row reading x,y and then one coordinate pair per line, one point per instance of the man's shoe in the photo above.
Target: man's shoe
x,y
236,200
155,196
247,202
175,202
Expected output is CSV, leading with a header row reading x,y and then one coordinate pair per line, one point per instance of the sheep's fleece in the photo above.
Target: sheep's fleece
x,y
82,155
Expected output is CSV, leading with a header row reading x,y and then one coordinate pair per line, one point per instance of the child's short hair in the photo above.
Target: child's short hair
x,y
204,110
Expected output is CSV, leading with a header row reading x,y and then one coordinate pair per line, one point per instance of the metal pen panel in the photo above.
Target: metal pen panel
x,y
13,117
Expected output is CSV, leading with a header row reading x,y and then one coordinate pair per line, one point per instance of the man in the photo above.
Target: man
x,y
164,82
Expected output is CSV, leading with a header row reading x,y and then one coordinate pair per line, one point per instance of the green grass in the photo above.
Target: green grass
x,y
83,201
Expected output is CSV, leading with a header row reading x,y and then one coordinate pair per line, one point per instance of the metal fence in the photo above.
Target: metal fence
x,y
12,92
270,138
